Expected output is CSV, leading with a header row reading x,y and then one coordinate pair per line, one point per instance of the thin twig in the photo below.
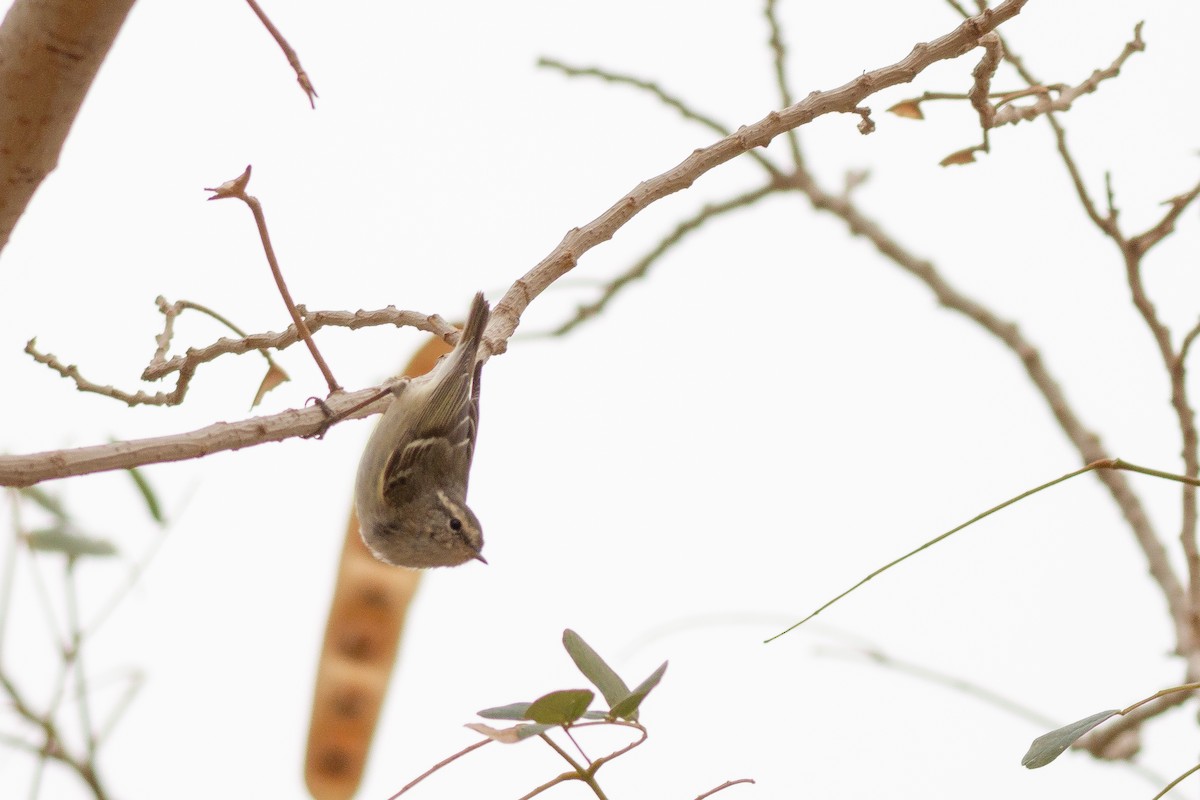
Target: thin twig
x,y
643,734
52,747
134,575
438,766
1099,741
642,266
293,59
895,562
1066,96
1086,441
1142,242
1186,614
555,781
74,658
587,775
665,97
8,582
575,765
172,310
779,63
123,703
315,321
724,785
567,732
236,188
1175,783
562,259
186,365
1103,464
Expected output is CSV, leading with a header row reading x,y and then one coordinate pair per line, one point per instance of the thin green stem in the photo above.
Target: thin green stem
x,y
74,659
665,97
1187,687
1175,783
438,766
1107,463
937,539
779,61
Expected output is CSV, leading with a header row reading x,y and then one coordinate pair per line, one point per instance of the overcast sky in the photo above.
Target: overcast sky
x,y
773,413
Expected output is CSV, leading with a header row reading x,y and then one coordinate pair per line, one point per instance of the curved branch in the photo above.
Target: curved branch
x,y
1087,443
26,470
643,264
665,97
506,315
30,469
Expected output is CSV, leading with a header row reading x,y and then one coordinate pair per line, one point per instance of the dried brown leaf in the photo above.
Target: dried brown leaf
x,y
966,156
275,376
909,109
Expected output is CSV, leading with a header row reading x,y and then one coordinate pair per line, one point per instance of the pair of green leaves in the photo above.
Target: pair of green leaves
x,y
568,706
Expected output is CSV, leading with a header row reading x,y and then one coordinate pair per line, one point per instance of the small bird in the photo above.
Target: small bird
x,y
411,490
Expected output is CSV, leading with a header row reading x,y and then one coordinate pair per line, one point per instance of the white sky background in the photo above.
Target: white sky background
x,y
772,414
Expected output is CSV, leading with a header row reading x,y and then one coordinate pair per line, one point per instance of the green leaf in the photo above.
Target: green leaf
x,y
628,707
61,540
594,668
510,711
560,708
44,499
508,735
1050,746
148,495
516,711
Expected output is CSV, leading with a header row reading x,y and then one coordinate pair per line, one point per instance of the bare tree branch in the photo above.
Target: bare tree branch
x,y
1065,97
25,470
1086,442
187,364
30,469
665,97
643,264
845,99
288,52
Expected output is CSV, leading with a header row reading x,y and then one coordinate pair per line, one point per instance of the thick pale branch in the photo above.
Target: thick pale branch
x,y
26,470
844,99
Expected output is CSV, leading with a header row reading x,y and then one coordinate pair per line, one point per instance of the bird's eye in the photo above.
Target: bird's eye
x,y
455,524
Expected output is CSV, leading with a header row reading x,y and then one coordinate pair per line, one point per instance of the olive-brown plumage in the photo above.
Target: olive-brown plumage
x,y
411,490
